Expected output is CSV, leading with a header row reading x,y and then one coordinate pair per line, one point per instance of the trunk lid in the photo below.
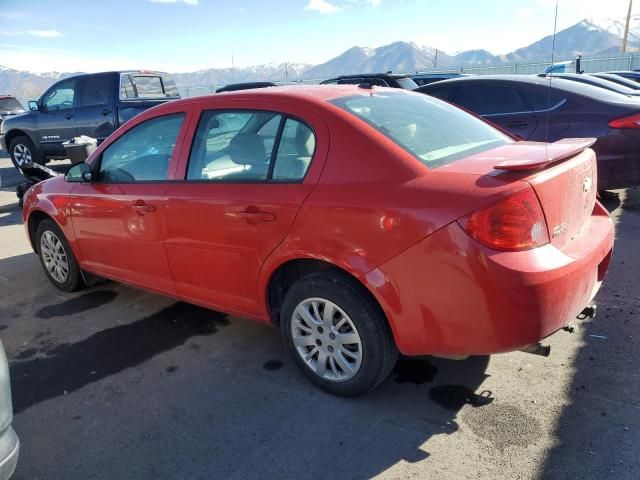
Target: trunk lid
x,y
562,174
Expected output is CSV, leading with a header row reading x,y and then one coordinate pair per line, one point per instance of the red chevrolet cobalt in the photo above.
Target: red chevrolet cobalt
x,y
362,221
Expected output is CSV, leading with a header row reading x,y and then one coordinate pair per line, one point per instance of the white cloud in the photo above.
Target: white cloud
x,y
186,2
45,33
374,3
322,6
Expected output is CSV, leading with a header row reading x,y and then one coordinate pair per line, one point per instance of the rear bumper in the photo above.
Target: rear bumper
x,y
449,295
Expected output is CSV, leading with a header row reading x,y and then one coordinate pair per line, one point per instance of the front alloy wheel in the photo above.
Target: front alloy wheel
x,y
54,256
22,154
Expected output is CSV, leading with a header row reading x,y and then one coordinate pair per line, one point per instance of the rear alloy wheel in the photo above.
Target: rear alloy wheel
x,y
337,334
56,257
22,152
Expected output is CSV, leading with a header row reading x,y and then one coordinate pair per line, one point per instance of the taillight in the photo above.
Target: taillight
x,y
516,223
632,121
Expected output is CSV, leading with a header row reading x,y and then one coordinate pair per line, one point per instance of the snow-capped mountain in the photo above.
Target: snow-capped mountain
x,y
588,37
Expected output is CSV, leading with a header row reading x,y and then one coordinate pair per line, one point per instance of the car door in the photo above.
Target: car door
x,y
56,116
117,219
501,103
94,114
244,184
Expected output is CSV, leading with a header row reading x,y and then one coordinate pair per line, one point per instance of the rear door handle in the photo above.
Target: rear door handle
x,y
106,111
142,208
254,215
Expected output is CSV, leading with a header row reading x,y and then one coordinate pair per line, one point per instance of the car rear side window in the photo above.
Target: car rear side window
x,y
250,146
433,131
95,90
143,153
295,150
542,98
489,99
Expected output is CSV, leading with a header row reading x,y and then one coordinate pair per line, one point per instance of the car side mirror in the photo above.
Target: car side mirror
x,y
33,106
80,173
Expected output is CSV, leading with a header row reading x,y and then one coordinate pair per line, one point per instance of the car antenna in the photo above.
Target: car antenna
x,y
553,51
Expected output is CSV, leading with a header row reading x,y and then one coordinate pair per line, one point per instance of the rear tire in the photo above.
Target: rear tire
x,y
23,151
57,259
337,335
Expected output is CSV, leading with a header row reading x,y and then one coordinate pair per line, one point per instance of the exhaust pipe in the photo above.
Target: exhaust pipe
x,y
537,349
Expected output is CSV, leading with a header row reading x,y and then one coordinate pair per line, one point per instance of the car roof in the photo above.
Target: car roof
x,y
592,91
318,94
364,75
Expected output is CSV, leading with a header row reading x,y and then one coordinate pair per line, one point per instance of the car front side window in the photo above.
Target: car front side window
x,y
61,97
143,153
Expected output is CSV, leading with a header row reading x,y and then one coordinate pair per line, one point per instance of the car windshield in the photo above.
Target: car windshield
x,y
10,104
433,131
139,85
406,83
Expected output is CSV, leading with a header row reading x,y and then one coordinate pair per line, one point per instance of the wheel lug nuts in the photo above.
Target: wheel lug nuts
x,y
320,330
332,336
318,342
330,348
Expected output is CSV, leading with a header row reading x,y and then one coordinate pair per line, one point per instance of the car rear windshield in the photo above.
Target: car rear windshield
x,y
433,131
144,85
10,104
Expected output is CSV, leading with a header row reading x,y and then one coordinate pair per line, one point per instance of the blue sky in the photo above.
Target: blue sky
x,y
187,35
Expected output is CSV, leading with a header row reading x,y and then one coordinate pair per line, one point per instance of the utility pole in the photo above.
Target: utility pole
x,y
233,69
435,60
626,27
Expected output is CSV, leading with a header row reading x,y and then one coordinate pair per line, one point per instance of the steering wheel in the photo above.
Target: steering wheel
x,y
66,104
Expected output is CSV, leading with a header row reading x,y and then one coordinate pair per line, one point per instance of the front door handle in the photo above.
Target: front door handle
x,y
254,216
68,116
517,124
106,111
142,208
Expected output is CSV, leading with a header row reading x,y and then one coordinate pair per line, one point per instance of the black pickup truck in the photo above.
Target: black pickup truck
x,y
91,104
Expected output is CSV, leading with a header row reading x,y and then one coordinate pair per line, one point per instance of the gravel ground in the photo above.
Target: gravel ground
x,y
113,382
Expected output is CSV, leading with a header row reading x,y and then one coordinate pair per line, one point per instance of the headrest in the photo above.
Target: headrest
x,y
247,149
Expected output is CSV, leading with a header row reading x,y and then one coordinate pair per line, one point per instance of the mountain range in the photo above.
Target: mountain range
x,y
588,37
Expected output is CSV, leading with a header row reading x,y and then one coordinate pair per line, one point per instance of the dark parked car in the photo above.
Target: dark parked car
x,y
596,82
234,87
93,105
631,75
9,106
393,80
612,77
427,78
540,109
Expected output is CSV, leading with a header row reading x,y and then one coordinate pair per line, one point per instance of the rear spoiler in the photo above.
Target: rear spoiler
x,y
539,155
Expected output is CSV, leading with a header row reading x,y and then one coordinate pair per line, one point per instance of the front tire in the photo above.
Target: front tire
x,y
337,335
23,151
56,257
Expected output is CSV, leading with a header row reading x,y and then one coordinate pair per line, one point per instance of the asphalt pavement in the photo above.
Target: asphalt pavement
x,y
116,383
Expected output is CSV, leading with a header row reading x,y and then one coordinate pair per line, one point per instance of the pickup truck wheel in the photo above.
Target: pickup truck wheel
x,y
337,335
23,151
56,257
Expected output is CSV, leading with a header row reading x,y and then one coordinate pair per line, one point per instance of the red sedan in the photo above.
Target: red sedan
x,y
362,221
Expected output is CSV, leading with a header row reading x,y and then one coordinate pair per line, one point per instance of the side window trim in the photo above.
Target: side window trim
x,y
276,147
